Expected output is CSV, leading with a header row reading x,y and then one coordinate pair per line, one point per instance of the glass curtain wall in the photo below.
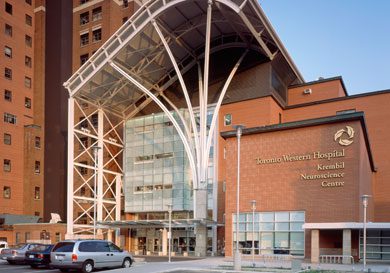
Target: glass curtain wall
x,y
274,232
377,244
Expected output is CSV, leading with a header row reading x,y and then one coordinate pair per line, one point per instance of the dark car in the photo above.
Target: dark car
x,y
39,256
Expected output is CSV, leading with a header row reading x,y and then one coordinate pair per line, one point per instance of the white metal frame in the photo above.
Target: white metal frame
x,y
197,143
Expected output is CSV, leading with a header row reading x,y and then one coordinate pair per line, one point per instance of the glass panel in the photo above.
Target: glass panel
x,y
297,216
282,216
282,226
266,240
267,217
281,240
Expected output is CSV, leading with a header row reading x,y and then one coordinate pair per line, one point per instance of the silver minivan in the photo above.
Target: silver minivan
x,y
86,255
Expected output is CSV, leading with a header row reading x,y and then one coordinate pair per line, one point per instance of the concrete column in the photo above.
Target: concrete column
x,y
164,242
109,235
347,249
201,229
315,245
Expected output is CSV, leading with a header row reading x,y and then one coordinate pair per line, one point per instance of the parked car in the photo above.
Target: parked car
x,y
17,253
86,255
3,245
39,256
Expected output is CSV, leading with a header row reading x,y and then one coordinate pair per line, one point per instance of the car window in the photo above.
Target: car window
x,y
31,247
64,247
87,247
102,247
113,248
38,247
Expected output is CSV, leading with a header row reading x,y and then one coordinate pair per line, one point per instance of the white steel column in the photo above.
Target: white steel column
x,y
100,166
118,186
69,226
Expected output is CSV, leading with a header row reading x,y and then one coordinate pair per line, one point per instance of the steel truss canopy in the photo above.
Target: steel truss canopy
x,y
138,49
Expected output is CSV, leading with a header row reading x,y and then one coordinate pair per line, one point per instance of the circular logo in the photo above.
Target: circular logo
x,y
344,136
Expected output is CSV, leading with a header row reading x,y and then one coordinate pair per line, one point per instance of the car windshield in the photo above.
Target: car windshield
x,y
64,247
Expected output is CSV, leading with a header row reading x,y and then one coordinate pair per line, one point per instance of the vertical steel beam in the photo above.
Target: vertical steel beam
x,y
118,186
100,165
70,171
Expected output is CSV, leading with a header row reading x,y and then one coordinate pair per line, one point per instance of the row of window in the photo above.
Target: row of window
x,y
96,15
7,166
9,10
8,54
8,30
8,97
44,235
8,75
125,2
7,140
7,193
96,37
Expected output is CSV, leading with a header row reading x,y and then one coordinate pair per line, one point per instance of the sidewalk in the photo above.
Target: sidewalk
x,y
225,265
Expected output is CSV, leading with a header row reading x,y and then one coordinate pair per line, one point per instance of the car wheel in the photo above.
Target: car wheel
x,y
87,267
11,262
64,270
126,263
33,266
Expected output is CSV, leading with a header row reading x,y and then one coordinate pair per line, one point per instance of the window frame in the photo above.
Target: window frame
x,y
10,118
5,194
8,73
8,30
7,165
28,20
7,95
28,61
8,8
28,40
37,142
97,14
37,193
27,102
84,39
27,82
226,121
84,18
7,139
97,35
37,167
9,53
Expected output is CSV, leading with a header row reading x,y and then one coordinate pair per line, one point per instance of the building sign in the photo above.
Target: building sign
x,y
331,172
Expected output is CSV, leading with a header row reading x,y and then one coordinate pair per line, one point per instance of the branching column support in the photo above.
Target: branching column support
x,y
69,216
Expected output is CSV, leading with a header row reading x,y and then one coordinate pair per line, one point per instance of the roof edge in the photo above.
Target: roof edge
x,y
358,116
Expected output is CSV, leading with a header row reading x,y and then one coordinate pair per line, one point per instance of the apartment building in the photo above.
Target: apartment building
x,y
21,147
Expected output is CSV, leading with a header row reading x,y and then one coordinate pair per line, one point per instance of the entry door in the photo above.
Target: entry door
x,y
150,244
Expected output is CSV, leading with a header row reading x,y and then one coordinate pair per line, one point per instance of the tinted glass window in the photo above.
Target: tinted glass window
x,y
64,247
87,247
102,247
114,248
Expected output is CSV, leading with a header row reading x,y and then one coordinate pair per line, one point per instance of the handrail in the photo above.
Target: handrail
x,y
336,259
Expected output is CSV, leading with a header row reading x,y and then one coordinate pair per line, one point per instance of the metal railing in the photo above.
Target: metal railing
x,y
336,259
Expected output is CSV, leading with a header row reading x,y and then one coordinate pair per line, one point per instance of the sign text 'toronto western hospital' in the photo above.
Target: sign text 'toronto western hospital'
x,y
302,157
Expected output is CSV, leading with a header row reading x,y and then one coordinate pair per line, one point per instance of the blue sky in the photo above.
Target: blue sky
x,y
327,38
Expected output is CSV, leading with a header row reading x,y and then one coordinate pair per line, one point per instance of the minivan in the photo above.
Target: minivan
x,y
86,255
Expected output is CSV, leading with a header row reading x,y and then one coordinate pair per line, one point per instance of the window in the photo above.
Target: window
x,y
17,237
84,39
83,123
84,58
84,18
27,236
27,82
36,213
28,20
83,143
82,191
28,2
96,35
83,170
8,30
8,73
7,95
124,20
8,51
45,235
125,3
9,118
6,192
57,237
27,103
37,193
7,165
27,61
227,120
37,142
37,168
8,8
28,41
95,120
97,14
7,139
83,1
